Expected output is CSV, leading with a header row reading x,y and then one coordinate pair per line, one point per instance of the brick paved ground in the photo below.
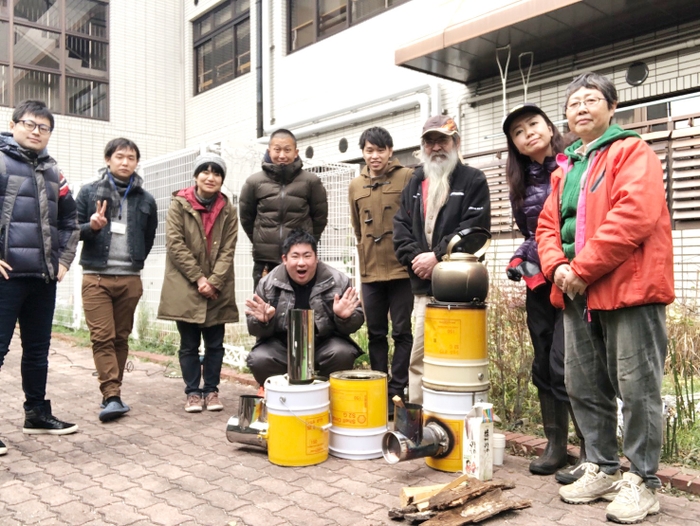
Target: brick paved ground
x,y
160,465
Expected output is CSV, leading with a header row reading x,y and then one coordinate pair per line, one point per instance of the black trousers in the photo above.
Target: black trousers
x,y
545,324
192,368
269,357
379,300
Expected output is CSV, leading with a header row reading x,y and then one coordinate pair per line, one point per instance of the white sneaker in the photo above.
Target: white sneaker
x,y
593,485
633,502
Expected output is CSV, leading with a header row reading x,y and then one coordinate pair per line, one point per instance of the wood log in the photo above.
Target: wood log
x,y
398,514
453,498
490,504
420,517
477,510
409,494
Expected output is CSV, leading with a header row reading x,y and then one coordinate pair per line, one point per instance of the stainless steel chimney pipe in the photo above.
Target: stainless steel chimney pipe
x,y
300,346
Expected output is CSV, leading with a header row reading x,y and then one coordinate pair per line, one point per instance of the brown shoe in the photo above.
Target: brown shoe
x,y
194,403
212,402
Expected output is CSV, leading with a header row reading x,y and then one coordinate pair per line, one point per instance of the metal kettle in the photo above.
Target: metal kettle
x,y
459,277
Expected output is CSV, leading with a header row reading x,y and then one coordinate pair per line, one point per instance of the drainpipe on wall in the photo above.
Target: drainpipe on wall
x,y
258,67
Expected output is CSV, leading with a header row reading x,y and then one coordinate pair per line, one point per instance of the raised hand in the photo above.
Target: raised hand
x,y
344,306
256,306
98,220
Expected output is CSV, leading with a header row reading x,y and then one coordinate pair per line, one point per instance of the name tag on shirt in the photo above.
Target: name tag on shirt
x,y
118,228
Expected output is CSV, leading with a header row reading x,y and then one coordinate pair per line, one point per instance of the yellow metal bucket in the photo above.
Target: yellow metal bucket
x,y
449,409
456,354
359,414
298,422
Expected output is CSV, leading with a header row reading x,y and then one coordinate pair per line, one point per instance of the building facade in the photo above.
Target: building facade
x,y
181,76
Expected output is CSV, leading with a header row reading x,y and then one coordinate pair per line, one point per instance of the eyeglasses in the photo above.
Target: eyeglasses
x,y
443,140
588,102
31,125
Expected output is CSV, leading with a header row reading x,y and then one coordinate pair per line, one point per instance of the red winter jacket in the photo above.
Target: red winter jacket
x,y
627,255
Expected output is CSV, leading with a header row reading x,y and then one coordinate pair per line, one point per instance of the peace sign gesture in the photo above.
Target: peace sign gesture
x,y
98,220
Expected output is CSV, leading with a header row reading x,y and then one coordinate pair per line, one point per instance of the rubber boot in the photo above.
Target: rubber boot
x,y
571,474
555,417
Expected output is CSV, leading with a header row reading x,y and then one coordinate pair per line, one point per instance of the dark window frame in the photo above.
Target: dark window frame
x,y
316,23
201,39
62,70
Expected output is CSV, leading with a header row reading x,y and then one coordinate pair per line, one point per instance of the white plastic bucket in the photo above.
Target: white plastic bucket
x,y
449,408
298,420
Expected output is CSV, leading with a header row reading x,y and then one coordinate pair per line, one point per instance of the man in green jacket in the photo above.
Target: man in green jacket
x,y
279,199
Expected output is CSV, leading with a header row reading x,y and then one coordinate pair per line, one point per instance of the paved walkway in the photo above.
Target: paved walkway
x,y
160,465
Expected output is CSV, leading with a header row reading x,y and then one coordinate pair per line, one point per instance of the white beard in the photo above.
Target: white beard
x,y
437,170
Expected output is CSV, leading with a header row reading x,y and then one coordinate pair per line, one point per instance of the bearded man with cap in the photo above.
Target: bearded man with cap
x,y
442,198
199,286
118,221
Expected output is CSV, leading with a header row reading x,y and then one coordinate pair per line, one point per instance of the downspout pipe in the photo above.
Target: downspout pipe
x,y
259,67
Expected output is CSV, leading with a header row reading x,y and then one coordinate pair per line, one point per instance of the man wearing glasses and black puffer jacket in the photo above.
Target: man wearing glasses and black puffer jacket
x,y
38,238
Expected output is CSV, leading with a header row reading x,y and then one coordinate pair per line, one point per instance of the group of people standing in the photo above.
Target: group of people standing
x,y
596,261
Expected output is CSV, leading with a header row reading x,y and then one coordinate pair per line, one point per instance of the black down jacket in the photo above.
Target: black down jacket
x,y
38,226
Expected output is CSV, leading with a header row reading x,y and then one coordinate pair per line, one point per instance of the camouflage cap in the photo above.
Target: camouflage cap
x,y
442,124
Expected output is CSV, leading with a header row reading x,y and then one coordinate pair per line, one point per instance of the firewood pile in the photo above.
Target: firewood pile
x,y
465,500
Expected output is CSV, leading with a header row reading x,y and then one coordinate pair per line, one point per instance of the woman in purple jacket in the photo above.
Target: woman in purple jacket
x,y
533,143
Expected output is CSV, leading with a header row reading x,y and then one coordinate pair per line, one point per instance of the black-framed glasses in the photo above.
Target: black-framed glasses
x,y
31,125
588,102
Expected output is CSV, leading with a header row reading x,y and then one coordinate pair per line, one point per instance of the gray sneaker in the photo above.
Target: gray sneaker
x,y
113,409
633,502
593,485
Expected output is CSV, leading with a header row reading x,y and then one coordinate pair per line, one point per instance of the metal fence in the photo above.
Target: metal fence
x,y
164,176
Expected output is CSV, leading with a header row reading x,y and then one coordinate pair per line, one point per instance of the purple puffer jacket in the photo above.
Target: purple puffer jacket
x,y
536,192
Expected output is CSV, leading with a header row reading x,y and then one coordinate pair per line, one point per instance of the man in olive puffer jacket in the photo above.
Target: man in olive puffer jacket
x,y
280,198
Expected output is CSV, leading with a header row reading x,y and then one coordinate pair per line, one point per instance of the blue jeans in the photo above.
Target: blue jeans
x,y
618,353
192,369
32,302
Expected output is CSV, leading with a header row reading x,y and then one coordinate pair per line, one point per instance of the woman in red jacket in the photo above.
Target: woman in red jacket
x,y
604,239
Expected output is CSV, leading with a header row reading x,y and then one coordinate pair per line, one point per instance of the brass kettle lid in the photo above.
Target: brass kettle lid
x,y
473,241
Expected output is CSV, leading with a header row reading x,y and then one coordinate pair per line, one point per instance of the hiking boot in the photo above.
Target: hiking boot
x,y
593,485
633,502
212,402
194,403
555,417
114,408
3,448
40,421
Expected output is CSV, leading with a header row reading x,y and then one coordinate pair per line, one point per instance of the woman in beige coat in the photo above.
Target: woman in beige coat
x,y
199,287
